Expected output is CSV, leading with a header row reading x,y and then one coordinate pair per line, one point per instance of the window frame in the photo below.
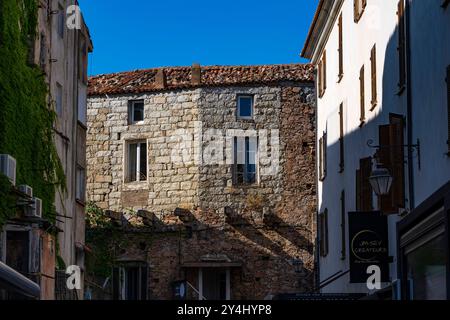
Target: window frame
x,y
127,168
373,78
323,233
322,74
362,97
238,107
341,139
401,47
245,173
131,109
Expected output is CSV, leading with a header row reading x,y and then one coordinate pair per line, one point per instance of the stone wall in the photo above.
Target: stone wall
x,y
264,226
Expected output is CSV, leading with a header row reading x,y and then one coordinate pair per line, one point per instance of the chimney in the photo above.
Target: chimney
x,y
160,79
196,78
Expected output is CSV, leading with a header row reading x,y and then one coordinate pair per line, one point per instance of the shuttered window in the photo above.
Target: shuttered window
x,y
323,157
341,138
391,156
358,8
341,49
323,232
401,45
362,118
373,63
448,107
343,229
322,74
364,194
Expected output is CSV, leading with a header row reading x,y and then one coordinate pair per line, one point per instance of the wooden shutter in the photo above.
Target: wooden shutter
x,y
319,78
401,44
341,138
324,154
397,161
341,52
358,190
321,159
362,96
366,189
324,71
373,61
325,222
356,10
384,159
343,230
448,107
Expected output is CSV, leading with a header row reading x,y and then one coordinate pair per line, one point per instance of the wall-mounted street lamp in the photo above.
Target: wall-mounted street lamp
x,y
381,179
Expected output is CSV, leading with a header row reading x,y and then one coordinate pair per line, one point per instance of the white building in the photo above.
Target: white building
x,y
381,75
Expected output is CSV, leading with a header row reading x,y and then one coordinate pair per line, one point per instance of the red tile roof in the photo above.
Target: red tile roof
x,y
180,77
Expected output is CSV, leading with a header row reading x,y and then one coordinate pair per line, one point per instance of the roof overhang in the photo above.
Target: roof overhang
x,y
13,281
322,24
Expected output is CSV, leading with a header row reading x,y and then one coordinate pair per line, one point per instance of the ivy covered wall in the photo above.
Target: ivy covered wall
x,y
26,120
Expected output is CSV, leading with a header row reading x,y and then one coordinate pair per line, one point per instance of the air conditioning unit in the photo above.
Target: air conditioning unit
x,y
35,209
8,167
26,190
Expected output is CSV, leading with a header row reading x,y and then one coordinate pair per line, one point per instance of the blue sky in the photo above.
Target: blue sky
x,y
137,34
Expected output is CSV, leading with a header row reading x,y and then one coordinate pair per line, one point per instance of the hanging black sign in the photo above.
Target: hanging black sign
x,y
368,236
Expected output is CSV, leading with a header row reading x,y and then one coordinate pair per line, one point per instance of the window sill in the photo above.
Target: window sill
x,y
139,123
252,120
133,185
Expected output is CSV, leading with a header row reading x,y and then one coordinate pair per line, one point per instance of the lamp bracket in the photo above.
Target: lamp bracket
x,y
416,147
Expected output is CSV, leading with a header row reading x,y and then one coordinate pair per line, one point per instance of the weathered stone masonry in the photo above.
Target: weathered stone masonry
x,y
264,227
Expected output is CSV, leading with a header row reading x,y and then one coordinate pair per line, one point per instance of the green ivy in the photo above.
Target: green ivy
x,y
26,120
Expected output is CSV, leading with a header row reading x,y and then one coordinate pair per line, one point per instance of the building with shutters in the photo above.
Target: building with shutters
x,y
383,102
208,173
41,245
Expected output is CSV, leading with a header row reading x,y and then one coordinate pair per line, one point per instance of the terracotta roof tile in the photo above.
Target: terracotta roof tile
x,y
180,77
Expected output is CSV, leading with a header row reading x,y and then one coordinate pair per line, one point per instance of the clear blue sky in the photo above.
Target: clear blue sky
x,y
137,34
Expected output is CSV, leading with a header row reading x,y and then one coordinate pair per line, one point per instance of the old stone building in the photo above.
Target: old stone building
x,y
208,174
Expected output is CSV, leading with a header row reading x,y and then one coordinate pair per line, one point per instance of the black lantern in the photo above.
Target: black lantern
x,y
381,181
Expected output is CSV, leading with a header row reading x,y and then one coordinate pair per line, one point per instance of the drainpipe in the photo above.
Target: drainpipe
x,y
409,107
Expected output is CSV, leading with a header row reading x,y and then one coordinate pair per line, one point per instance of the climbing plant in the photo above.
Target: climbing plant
x,y
26,120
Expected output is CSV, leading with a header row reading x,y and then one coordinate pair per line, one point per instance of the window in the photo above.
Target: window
x,y
343,229
136,112
130,282
341,50
362,97
59,99
358,8
373,64
81,184
341,139
391,156
448,107
364,193
401,46
323,233
245,160
322,74
137,162
323,157
245,107
61,21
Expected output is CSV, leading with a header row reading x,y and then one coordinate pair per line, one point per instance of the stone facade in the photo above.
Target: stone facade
x,y
257,232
